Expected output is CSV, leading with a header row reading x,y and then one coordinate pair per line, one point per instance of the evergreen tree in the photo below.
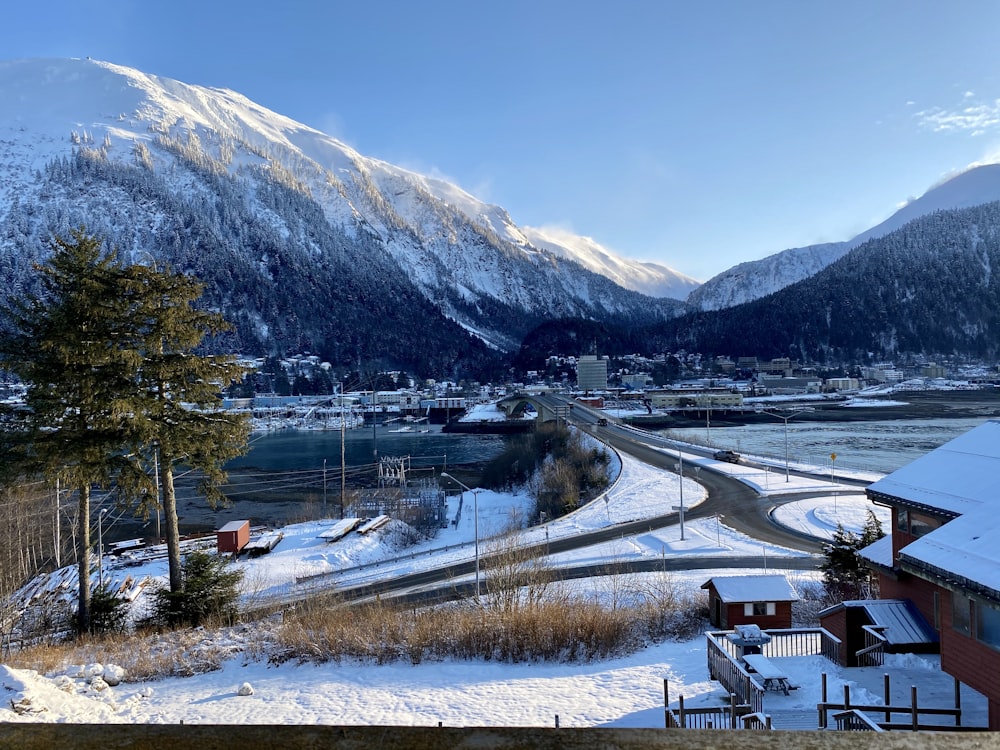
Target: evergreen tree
x,y
70,344
211,589
845,575
180,416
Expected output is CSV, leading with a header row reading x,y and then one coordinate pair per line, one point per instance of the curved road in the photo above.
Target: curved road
x,y
734,502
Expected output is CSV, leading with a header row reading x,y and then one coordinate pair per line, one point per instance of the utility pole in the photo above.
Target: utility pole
x,y
58,539
343,462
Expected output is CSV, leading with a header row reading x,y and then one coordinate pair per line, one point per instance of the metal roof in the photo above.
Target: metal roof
x,y
902,622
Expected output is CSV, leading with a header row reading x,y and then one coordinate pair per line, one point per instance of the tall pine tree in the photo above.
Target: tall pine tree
x,y
180,417
115,383
72,346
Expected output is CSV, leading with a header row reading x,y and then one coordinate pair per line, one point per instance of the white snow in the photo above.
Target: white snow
x,y
625,691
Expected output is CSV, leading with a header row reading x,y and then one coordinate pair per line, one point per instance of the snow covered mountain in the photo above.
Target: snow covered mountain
x,y
281,221
755,279
647,278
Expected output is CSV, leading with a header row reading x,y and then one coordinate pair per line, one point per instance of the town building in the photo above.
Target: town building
x,y
592,373
943,555
694,398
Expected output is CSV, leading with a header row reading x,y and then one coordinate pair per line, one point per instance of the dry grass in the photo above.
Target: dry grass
x,y
148,655
560,628
541,622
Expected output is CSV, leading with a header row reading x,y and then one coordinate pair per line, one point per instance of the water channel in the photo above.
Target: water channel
x,y
291,475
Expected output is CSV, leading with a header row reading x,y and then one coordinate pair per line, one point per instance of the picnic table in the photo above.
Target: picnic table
x,y
772,677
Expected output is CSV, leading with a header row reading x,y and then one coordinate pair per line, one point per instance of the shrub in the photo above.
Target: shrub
x,y
108,611
210,591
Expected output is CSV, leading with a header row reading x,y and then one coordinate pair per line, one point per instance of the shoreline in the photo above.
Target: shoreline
x,y
917,405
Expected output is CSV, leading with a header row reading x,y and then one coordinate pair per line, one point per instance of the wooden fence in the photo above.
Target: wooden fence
x,y
855,721
913,712
712,717
724,666
724,658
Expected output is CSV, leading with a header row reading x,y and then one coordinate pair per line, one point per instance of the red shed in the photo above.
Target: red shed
x,y
233,537
762,600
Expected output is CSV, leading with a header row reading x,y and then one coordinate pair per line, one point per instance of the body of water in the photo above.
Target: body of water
x,y
877,445
426,446
282,478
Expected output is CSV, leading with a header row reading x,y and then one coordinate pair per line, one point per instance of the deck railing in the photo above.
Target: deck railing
x,y
873,654
756,721
855,721
724,666
712,717
724,658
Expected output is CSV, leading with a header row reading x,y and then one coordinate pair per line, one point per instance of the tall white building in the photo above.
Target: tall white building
x,y
592,373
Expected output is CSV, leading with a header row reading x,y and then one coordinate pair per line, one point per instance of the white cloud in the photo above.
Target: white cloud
x,y
977,119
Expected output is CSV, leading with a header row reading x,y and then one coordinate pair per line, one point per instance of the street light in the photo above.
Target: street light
x,y
475,513
680,481
792,413
100,547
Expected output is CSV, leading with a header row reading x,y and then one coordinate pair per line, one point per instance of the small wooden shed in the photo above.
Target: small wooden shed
x,y
233,537
762,600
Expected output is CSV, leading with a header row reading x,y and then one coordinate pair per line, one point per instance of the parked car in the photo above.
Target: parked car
x,y
731,456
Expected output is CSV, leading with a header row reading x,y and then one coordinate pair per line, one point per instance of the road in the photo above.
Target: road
x,y
736,504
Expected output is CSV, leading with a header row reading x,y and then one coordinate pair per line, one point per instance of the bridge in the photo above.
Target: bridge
x,y
547,411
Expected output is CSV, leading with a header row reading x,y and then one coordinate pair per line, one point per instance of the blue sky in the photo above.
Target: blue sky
x,y
694,134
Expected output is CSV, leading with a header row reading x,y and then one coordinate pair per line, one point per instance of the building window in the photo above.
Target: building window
x,y
921,524
961,613
759,609
903,520
988,626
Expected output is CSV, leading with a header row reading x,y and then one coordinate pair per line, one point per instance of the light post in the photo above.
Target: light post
x,y
100,547
680,480
475,513
792,413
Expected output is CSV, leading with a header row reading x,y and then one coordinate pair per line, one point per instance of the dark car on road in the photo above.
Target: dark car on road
x,y
731,456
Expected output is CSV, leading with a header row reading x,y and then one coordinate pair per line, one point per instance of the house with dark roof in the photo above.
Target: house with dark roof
x,y
762,600
943,555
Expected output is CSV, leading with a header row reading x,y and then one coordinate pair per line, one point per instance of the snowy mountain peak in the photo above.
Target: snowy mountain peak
x,y
147,150
754,279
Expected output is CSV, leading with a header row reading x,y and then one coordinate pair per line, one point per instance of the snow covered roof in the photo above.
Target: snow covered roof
x,y
958,477
751,588
879,551
964,550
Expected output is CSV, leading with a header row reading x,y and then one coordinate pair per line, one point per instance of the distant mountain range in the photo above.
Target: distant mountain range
x,y
758,278
306,245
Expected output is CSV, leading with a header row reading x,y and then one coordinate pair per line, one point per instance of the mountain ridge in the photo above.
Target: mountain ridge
x,y
465,257
754,279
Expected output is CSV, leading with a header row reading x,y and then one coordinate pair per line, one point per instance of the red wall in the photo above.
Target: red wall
x,y
972,662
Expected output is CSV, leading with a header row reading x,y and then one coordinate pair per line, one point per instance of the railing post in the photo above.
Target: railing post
x,y
680,711
666,703
888,697
822,701
914,716
958,703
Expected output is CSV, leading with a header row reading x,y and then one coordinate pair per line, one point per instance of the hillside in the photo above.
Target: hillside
x,y
305,244
925,289
755,279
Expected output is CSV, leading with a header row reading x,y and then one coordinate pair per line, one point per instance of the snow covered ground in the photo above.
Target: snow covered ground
x,y
627,691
